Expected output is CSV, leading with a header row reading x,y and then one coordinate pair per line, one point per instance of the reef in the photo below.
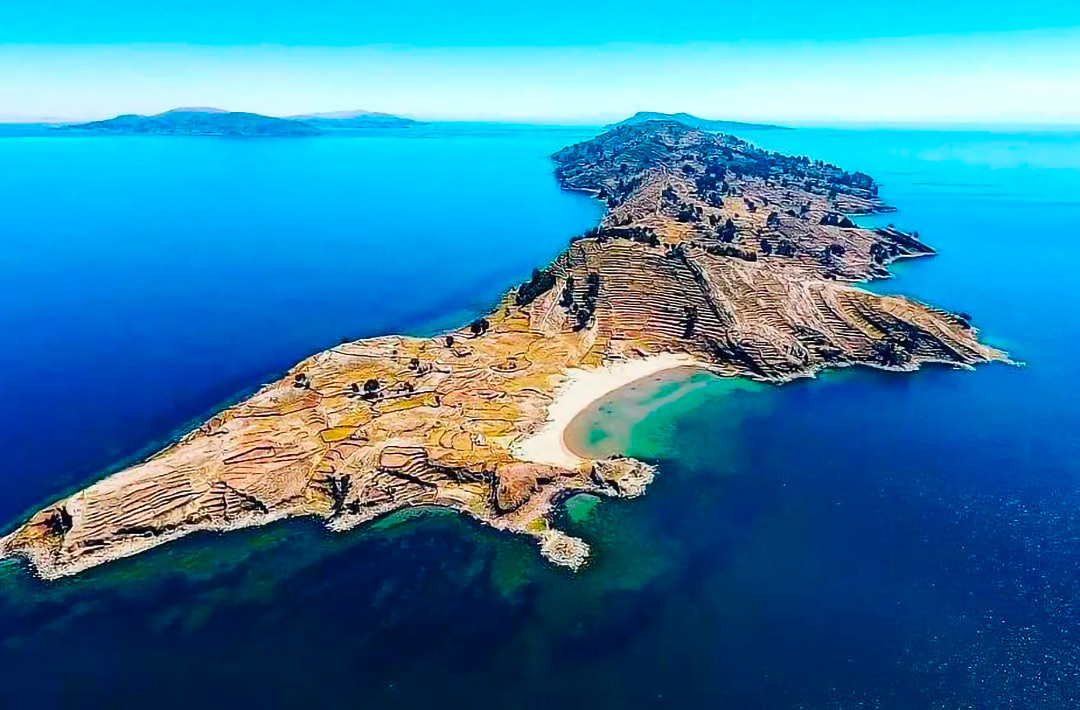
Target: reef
x,y
712,252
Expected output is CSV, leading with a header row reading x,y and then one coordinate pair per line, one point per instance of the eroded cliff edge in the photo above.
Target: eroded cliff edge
x,y
711,250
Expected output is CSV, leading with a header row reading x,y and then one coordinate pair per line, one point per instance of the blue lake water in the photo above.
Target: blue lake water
x,y
147,280
862,540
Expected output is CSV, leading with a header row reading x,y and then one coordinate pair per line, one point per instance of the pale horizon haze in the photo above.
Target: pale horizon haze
x,y
907,64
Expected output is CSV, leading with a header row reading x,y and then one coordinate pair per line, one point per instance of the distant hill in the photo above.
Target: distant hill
x,y
355,119
200,122
194,109
703,124
206,121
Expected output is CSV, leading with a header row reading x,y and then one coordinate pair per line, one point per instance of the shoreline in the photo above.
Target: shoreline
x,y
581,389
629,405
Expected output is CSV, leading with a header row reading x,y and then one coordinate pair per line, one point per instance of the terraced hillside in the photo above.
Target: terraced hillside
x,y
711,251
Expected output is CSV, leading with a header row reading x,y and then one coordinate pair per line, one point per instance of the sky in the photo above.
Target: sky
x,y
787,61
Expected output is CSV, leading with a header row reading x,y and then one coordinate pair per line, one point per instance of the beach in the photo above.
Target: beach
x,y
582,388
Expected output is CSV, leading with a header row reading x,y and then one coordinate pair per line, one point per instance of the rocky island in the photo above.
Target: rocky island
x,y
712,253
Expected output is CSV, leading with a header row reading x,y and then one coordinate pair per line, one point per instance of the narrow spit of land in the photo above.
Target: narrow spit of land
x,y
712,253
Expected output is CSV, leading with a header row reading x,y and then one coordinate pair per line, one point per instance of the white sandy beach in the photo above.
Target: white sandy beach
x,y
582,388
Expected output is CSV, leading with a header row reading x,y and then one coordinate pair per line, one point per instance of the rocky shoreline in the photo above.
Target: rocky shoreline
x,y
712,253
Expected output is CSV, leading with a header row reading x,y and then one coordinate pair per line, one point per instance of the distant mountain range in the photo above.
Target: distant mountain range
x,y
195,109
355,119
205,121
703,124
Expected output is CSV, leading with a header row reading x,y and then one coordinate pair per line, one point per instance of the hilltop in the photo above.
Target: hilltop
x,y
701,124
712,253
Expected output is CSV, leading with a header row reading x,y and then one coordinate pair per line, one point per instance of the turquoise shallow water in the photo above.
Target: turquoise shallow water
x,y
862,540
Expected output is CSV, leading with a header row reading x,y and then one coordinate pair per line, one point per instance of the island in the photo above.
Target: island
x,y
206,121
199,122
712,253
355,120
704,124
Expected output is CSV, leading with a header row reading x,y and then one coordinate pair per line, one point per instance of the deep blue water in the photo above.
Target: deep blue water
x,y
145,281
863,540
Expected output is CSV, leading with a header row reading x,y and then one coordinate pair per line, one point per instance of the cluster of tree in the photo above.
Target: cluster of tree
x,y
582,313
711,184
370,391
857,180
728,250
616,194
418,367
891,352
688,213
902,240
831,252
566,299
773,221
628,185
675,251
613,161
337,487
727,232
592,285
766,165
684,211
832,219
59,522
643,235
690,316
882,252
784,247
540,283
479,326
744,160
714,199
752,164
371,388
